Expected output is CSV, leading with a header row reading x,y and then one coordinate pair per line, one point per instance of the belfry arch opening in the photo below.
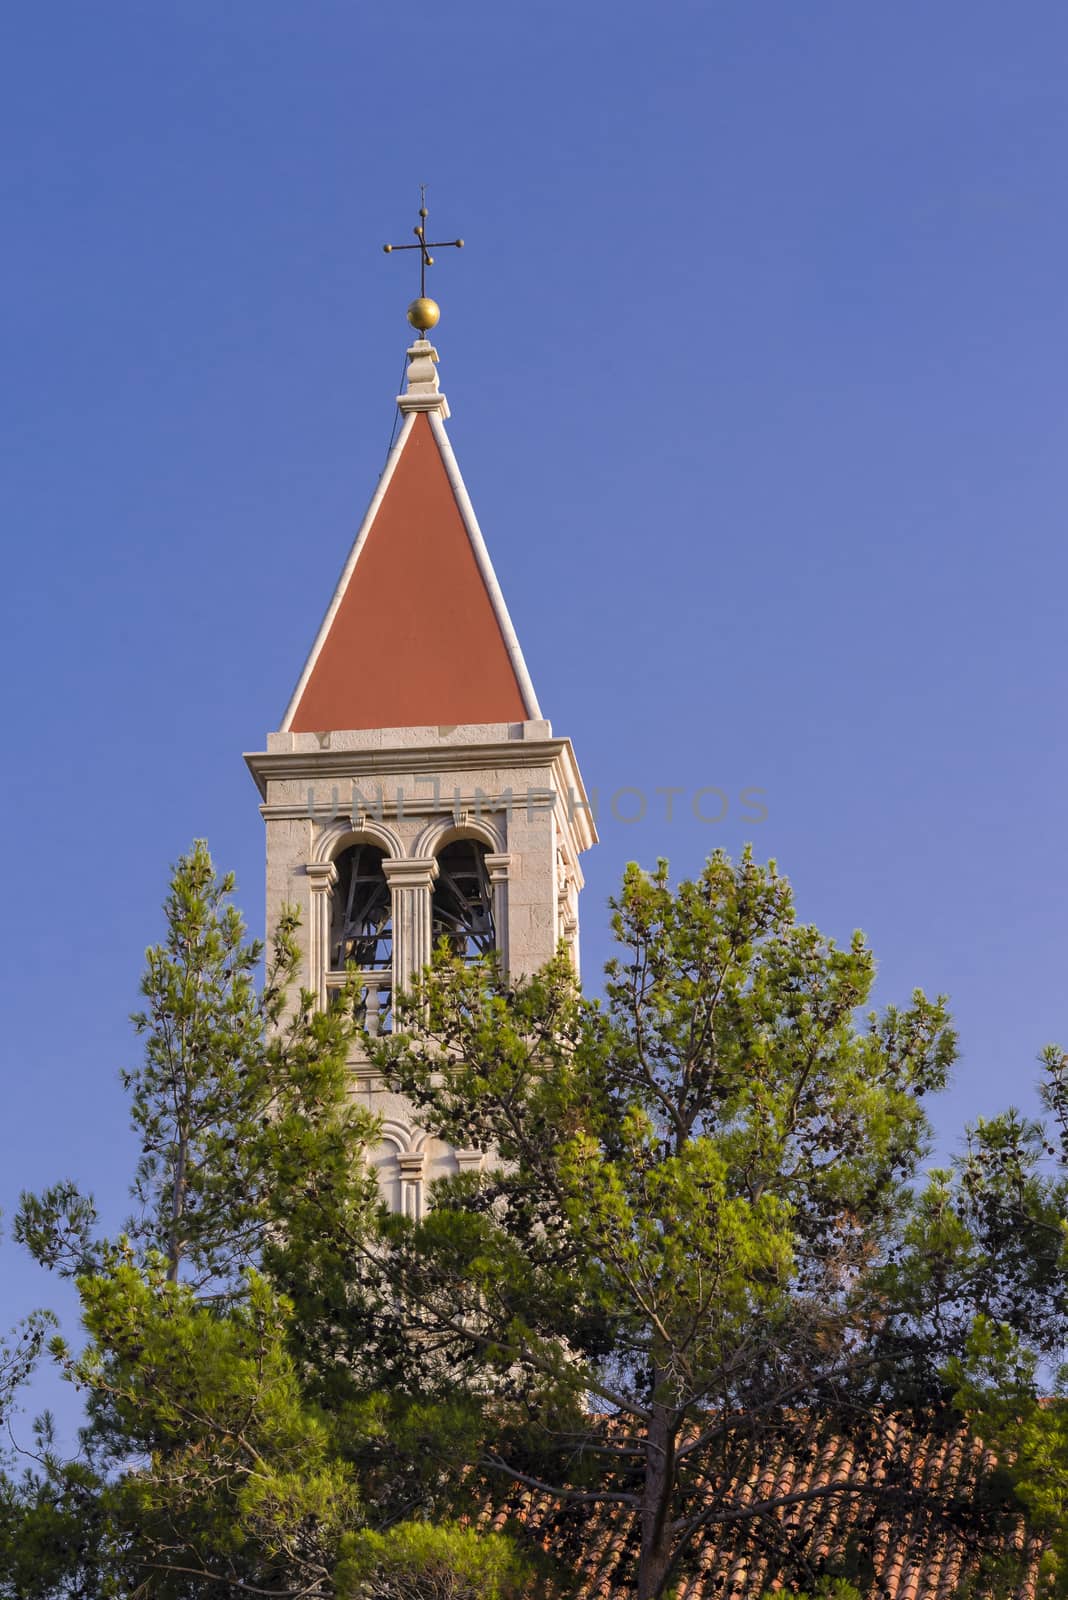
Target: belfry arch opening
x,y
462,905
361,919
361,936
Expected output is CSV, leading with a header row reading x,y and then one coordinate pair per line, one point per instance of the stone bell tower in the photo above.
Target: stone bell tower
x,y
414,790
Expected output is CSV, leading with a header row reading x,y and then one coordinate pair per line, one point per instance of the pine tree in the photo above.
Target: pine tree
x,y
671,1263
207,1466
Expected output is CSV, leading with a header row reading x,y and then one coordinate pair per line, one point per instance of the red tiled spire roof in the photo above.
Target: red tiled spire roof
x,y
417,633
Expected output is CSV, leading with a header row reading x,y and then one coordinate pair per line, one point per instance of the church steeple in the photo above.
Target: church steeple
x,y
414,794
417,633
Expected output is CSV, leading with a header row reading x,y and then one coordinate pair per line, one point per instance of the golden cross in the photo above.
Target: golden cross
x,y
424,248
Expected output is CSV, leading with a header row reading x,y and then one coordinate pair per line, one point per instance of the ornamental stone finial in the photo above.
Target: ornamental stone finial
x,y
422,392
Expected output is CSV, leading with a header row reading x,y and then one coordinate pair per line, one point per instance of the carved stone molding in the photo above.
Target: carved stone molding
x,y
411,880
323,875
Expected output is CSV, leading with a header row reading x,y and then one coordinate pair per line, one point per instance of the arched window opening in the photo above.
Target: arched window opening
x,y
361,936
462,907
361,923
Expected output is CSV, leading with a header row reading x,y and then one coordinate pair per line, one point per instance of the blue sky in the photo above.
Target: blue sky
x,y
756,363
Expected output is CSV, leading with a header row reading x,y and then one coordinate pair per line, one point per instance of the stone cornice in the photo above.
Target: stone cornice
x,y
289,764
470,809
501,757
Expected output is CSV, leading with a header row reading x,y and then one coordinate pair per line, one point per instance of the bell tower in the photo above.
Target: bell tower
x,y
414,791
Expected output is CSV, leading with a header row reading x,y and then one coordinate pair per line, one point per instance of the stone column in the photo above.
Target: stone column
x,y
411,881
412,1165
566,908
498,867
323,876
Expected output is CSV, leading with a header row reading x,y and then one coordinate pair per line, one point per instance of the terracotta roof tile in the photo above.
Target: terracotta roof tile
x,y
922,1541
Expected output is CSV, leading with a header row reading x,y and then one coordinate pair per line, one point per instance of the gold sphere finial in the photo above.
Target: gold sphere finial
x,y
423,314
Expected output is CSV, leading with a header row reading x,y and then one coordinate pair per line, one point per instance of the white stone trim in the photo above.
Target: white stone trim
x,y
485,567
337,837
499,867
397,1133
347,570
443,830
411,872
322,876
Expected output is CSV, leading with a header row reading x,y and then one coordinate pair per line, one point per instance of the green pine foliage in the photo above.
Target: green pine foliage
x,y
701,1237
208,1464
985,1278
674,1262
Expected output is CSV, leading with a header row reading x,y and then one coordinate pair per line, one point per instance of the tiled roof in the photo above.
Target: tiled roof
x,y
922,1531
